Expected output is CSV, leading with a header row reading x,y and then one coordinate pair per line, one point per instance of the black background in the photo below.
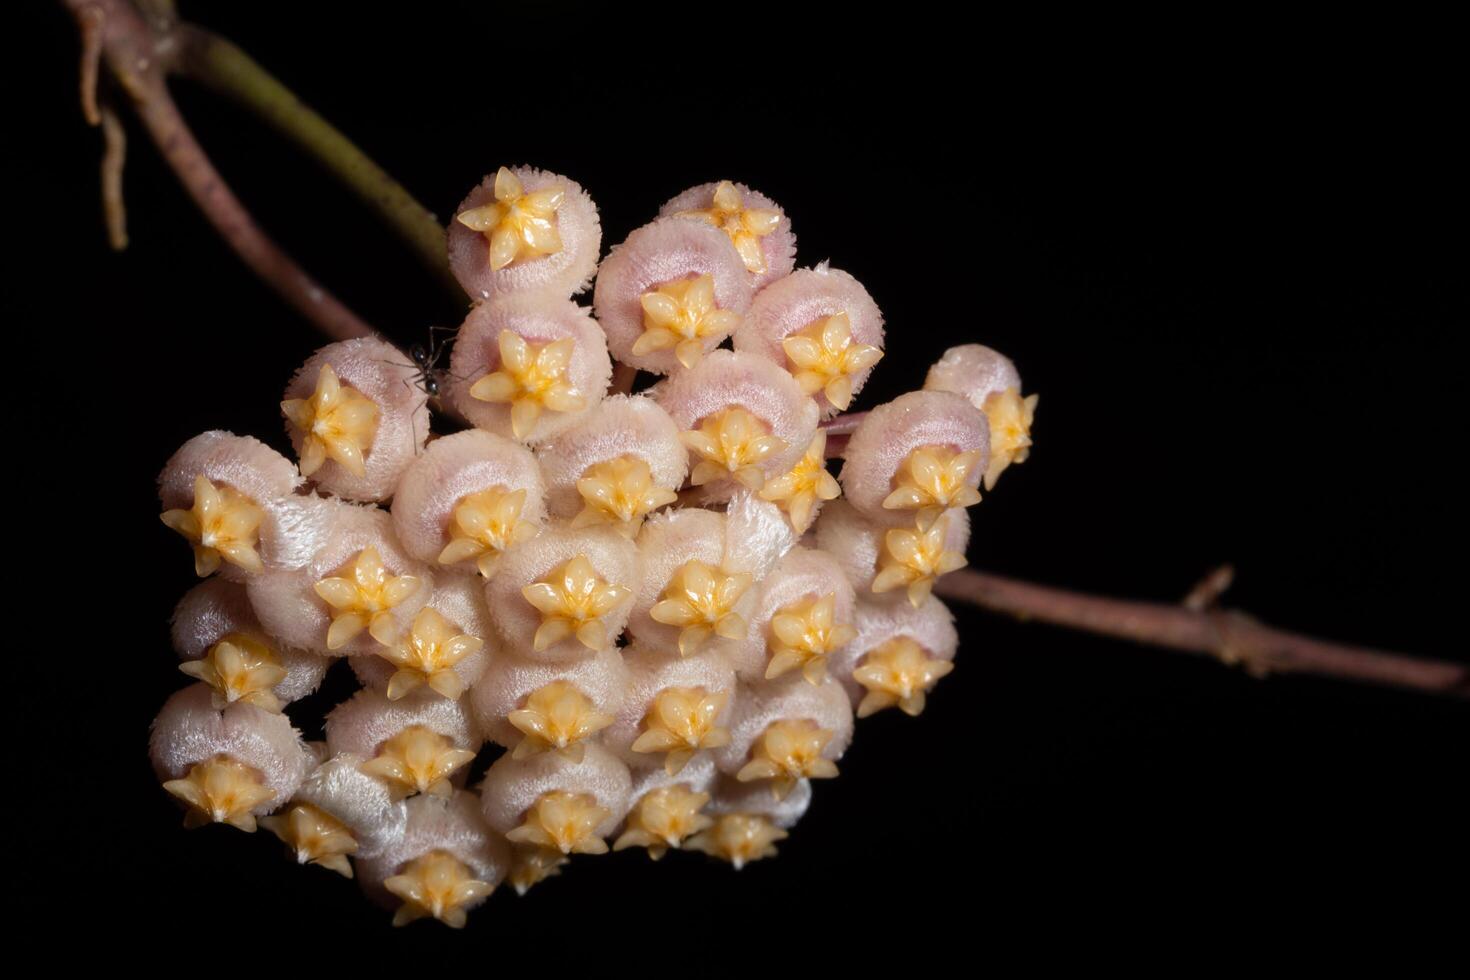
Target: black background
x,y
1234,275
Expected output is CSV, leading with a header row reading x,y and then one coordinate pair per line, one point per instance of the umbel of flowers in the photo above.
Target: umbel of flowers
x,y
659,613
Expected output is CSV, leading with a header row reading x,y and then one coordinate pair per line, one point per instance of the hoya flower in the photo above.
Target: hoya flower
x,y
802,490
803,634
749,821
744,421
670,294
445,863
884,562
524,231
691,598
675,708
233,499
528,367
755,225
913,558
813,601
786,731
314,836
616,466
361,804
822,326
216,613
900,652
414,744
227,765
532,706
444,648
990,381
549,802
663,818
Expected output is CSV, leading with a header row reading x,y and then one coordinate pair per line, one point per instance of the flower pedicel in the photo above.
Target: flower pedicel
x,y
663,611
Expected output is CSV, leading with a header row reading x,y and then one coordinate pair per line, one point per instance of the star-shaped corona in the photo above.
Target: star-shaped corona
x,y
731,442
745,226
557,717
620,492
518,225
223,525
900,673
314,837
563,822
487,524
1010,418
788,751
337,422
798,490
427,654
663,819
680,315
680,723
699,599
933,479
417,760
739,838
240,667
437,884
803,635
532,379
913,559
365,601
221,790
572,600
824,358
532,865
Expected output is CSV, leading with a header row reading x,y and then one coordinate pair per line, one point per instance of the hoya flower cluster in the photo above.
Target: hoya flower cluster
x,y
659,612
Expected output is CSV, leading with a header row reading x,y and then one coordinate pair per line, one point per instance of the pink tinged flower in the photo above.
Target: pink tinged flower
x,y
221,790
731,443
572,601
428,654
700,599
526,232
532,379
669,294
417,760
620,492
935,478
486,525
336,422
365,600
801,490
314,837
913,558
518,224
1011,417
222,525
990,382
901,673
557,717
565,822
824,357
682,721
803,635
664,818
679,315
755,225
240,667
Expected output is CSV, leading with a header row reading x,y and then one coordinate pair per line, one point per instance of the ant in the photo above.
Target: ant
x,y
426,360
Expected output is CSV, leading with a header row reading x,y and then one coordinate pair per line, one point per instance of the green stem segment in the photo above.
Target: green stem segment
x,y
219,64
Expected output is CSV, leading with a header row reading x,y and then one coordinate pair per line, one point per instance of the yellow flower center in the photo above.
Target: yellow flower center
x,y
437,884
898,672
221,790
731,442
620,491
427,654
572,600
680,723
532,378
485,525
314,837
824,358
788,751
1010,418
557,716
739,838
932,480
680,314
565,822
417,760
663,818
222,525
797,491
532,865
337,422
803,634
699,599
518,225
914,558
240,667
745,226
365,600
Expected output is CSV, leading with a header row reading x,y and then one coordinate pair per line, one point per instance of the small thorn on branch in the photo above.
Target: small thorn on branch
x,y
114,155
91,22
1206,594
